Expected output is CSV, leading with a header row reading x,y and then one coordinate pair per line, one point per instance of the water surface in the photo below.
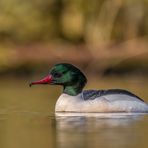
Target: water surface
x,y
27,119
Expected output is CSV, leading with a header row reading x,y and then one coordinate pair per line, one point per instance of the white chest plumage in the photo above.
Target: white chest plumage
x,y
106,103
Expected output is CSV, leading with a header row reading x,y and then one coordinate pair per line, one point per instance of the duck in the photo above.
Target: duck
x,y
75,99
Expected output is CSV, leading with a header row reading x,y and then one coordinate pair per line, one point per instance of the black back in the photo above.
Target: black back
x,y
93,94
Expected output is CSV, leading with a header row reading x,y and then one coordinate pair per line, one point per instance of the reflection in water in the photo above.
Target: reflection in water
x,y
27,120
96,130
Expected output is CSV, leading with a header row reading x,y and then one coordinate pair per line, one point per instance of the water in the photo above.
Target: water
x,y
27,119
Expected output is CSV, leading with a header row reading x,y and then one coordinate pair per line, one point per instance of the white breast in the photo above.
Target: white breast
x,y
107,103
69,103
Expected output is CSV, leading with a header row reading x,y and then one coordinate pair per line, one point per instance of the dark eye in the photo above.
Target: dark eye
x,y
57,75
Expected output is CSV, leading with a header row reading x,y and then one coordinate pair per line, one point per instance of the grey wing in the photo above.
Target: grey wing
x,y
93,94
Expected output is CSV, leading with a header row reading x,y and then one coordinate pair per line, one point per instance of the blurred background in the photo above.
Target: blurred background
x,y
106,39
102,37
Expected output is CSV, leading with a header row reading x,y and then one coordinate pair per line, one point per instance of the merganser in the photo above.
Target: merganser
x,y
74,99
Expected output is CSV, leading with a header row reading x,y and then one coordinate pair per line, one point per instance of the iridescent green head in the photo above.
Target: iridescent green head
x,y
67,75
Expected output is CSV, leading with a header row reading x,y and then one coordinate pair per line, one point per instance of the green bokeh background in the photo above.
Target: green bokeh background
x,y
101,37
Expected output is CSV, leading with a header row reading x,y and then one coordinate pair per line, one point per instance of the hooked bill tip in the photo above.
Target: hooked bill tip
x,y
30,84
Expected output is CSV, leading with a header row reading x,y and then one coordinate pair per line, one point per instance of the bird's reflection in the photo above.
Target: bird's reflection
x,y
97,120
93,129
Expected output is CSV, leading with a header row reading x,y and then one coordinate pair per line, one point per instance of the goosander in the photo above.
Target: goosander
x,y
75,99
